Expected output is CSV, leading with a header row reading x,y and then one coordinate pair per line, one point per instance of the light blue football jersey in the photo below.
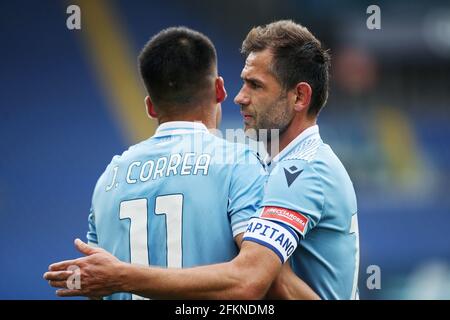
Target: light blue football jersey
x,y
177,199
310,193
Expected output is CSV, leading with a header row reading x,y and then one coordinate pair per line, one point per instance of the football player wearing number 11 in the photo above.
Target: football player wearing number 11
x,y
183,197
308,212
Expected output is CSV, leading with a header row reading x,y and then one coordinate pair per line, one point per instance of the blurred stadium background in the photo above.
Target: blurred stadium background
x,y
70,100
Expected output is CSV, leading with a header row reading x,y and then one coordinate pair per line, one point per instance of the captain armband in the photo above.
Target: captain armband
x,y
275,236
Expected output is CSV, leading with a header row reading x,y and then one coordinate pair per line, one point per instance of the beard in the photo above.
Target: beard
x,y
274,121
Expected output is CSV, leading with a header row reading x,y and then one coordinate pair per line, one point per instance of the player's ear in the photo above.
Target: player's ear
x,y
221,93
302,95
150,108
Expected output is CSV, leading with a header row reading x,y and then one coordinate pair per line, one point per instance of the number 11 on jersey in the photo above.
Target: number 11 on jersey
x,y
136,210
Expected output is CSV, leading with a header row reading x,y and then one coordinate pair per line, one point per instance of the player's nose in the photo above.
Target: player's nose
x,y
242,99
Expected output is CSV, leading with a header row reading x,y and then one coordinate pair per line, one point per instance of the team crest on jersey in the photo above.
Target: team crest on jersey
x,y
293,218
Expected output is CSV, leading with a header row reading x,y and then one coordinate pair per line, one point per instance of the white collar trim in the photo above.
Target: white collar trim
x,y
306,134
179,127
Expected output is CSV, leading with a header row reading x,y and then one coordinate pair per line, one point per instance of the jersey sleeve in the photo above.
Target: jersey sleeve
x,y
294,196
92,231
246,190
292,206
91,235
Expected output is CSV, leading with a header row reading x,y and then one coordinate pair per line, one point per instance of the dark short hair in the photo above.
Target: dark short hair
x,y
298,57
176,66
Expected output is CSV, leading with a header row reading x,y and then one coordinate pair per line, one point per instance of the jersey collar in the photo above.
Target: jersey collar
x,y
311,132
179,127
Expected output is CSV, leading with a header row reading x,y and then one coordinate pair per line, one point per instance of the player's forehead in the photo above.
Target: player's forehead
x,y
258,64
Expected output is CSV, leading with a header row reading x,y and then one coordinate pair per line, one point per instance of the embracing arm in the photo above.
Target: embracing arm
x,y
289,286
253,274
248,276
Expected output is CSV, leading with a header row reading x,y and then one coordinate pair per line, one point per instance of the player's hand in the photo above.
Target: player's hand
x,y
95,275
288,286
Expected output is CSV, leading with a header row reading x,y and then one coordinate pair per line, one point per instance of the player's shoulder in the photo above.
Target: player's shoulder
x,y
316,156
310,155
315,163
328,165
133,152
322,176
234,153
129,154
235,147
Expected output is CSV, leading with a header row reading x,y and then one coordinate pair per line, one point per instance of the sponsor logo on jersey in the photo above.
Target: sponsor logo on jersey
x,y
293,218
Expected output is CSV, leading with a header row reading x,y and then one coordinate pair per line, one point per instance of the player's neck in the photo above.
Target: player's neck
x,y
200,114
209,122
292,132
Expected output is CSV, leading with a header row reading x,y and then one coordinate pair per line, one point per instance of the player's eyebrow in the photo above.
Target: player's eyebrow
x,y
253,80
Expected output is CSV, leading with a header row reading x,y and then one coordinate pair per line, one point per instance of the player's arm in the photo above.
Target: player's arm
x,y
248,276
289,286
266,246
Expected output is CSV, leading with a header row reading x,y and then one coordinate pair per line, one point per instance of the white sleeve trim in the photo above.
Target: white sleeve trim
x,y
239,227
